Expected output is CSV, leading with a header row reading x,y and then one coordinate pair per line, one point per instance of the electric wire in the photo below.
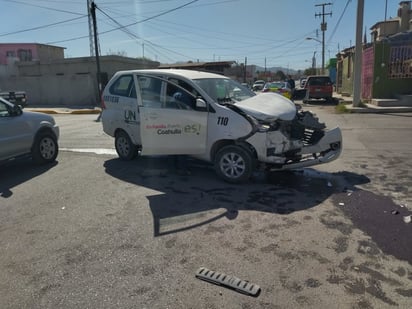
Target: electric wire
x,y
339,20
43,26
128,25
134,36
43,7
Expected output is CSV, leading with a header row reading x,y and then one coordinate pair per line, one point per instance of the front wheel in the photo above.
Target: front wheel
x,y
234,164
45,148
125,149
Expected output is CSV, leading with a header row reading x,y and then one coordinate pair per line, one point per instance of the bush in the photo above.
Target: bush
x,y
341,108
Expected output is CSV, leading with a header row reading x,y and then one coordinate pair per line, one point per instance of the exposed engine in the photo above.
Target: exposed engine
x,y
304,127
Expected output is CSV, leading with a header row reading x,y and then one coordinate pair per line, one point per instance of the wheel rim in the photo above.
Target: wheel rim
x,y
47,148
123,146
232,165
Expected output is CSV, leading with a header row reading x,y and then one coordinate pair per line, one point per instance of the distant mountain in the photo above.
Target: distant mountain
x,y
275,69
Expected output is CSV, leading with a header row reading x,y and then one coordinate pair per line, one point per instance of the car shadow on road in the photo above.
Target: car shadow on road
x,y
190,201
17,172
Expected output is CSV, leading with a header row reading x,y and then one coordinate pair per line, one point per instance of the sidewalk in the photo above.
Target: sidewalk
x,y
370,108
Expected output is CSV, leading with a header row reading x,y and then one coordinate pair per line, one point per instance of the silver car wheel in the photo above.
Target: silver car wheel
x,y
234,164
47,148
124,146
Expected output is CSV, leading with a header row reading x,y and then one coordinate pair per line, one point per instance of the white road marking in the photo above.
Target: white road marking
x,y
91,150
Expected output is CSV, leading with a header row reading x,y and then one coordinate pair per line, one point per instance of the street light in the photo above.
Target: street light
x,y
323,52
314,60
314,39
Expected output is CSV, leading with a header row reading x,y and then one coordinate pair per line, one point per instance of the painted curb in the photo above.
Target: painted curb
x,y
65,111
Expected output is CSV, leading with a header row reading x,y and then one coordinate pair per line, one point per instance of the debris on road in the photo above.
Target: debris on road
x,y
407,219
367,211
232,282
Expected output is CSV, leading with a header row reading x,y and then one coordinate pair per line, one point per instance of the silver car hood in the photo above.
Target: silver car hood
x,y
268,107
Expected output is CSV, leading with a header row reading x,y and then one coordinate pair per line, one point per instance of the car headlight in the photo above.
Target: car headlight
x,y
263,127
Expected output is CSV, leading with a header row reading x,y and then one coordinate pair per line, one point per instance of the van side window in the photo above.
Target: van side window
x,y
124,86
150,90
4,111
177,98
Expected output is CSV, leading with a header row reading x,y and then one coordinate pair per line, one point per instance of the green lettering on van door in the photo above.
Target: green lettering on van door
x,y
192,128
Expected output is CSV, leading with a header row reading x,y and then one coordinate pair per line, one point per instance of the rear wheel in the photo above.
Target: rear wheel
x,y
45,148
125,149
234,164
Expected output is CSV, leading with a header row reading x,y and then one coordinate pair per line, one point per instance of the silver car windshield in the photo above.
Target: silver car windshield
x,y
224,90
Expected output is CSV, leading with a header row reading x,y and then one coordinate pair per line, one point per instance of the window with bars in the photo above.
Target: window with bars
x,y
400,62
10,53
24,54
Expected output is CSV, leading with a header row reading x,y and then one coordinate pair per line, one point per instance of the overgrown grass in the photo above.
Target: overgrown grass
x,y
341,108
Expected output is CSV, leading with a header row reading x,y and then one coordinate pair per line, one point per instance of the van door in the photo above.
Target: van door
x,y
122,111
170,123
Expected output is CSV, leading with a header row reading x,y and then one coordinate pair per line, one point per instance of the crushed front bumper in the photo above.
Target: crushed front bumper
x,y
326,150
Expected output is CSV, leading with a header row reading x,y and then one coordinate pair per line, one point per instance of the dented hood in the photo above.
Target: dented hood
x,y
268,107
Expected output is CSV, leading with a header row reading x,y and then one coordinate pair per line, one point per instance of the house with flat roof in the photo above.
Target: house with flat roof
x,y
12,52
49,78
386,61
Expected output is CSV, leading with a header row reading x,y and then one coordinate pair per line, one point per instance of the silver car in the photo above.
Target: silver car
x,y
27,133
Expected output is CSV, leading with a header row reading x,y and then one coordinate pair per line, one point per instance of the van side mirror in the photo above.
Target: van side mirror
x,y
201,105
16,110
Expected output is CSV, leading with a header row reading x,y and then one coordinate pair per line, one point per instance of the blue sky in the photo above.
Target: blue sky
x,y
270,32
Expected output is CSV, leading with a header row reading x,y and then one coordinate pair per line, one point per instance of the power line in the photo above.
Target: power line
x,y
152,17
42,27
339,20
43,7
134,36
128,25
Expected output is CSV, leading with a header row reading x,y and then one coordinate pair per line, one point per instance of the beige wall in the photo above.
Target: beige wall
x,y
66,82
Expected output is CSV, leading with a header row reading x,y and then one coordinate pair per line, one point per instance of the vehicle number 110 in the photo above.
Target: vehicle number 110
x,y
222,121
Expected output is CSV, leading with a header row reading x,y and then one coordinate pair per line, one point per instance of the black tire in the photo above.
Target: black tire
x,y
234,164
125,149
45,148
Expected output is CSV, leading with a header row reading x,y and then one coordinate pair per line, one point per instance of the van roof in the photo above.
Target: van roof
x,y
191,74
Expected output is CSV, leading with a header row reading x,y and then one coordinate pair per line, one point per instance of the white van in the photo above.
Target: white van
x,y
212,118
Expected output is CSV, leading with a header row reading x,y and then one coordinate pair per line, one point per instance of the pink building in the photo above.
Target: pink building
x,y
22,52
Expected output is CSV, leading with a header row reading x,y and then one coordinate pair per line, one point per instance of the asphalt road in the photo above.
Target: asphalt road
x,y
93,232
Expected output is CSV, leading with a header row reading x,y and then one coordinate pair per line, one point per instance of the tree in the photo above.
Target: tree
x,y
117,53
280,75
310,71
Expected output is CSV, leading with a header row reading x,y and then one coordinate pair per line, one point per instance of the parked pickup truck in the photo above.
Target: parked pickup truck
x,y
15,97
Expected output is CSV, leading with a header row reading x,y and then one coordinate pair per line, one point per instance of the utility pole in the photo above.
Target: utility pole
x,y
314,60
244,73
323,27
358,56
265,70
143,51
96,48
91,45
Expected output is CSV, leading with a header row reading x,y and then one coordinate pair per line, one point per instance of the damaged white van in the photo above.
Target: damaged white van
x,y
215,119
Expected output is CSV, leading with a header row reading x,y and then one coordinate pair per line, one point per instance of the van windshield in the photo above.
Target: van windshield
x,y
224,90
